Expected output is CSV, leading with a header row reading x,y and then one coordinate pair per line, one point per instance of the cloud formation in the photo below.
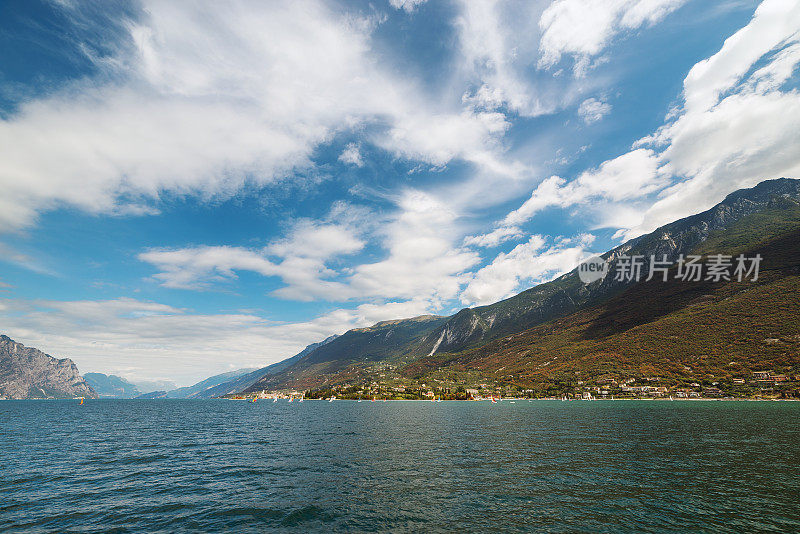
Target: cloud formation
x,y
142,340
207,98
592,110
737,127
532,262
583,28
422,262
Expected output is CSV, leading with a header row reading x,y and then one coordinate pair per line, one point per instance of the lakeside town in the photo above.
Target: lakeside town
x,y
763,385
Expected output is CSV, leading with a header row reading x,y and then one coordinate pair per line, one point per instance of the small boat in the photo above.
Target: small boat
x,y
359,400
494,401
81,401
275,398
254,399
301,398
291,399
332,399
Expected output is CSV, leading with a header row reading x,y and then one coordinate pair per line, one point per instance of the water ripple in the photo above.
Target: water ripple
x,y
200,466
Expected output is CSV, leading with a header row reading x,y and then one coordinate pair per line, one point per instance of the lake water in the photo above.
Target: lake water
x,y
551,466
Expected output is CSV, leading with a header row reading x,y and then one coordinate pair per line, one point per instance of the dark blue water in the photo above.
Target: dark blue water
x,y
186,466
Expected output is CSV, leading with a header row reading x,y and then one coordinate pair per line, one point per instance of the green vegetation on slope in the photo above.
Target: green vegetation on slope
x,y
564,336
675,331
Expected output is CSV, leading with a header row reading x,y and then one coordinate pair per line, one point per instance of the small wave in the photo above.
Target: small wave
x,y
307,513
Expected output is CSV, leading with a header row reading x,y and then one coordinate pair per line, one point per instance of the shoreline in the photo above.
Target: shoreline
x,y
507,400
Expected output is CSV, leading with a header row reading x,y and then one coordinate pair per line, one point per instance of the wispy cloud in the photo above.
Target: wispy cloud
x,y
583,28
592,110
144,340
532,262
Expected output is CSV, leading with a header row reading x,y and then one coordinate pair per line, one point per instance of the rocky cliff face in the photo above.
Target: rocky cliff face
x,y
28,373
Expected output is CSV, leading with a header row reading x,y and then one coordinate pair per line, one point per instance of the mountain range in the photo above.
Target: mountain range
x,y
111,386
550,334
551,337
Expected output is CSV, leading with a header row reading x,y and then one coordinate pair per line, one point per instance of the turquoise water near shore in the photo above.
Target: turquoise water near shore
x,y
549,466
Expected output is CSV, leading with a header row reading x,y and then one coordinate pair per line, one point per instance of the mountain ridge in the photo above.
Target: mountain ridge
x,y
566,293
473,327
111,386
27,372
245,381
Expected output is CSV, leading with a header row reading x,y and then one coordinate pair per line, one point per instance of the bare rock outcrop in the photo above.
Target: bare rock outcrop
x,y
28,373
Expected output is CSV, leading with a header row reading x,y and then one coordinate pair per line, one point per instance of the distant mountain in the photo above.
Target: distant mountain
x,y
111,386
429,346
148,386
197,391
245,381
354,353
153,395
28,373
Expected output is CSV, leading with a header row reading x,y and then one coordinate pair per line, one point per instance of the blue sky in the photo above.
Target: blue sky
x,y
194,187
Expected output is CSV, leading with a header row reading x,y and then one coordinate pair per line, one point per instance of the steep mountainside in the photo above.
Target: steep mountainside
x,y
243,382
28,373
678,331
744,221
197,391
111,386
388,341
474,326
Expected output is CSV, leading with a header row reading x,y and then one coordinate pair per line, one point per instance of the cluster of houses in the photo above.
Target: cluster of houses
x,y
767,377
634,387
602,387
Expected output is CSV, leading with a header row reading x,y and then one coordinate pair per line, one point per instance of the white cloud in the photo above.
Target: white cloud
x,y
151,341
532,262
774,24
743,140
209,97
583,28
196,268
422,261
737,128
626,177
491,46
592,110
351,155
9,255
777,72
439,138
717,145
299,259
408,5
495,237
